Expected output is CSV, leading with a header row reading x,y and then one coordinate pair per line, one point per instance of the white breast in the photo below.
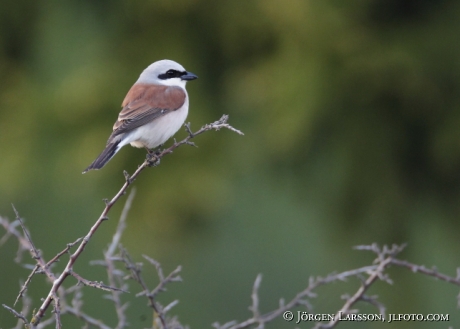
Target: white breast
x,y
159,130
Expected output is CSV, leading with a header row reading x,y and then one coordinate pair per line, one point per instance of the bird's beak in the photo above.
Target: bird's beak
x,y
188,76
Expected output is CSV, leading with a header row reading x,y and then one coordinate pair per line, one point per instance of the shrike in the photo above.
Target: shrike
x,y
153,110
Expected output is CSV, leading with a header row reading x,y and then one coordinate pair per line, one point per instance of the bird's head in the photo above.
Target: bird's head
x,y
166,72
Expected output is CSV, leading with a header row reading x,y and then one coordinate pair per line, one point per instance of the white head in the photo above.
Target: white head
x,y
166,72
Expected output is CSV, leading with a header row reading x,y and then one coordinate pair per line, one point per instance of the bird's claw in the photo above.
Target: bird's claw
x,y
153,159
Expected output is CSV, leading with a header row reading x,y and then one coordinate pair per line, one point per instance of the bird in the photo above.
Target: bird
x,y
153,110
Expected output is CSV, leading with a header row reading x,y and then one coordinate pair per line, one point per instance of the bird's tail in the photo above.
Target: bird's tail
x,y
104,157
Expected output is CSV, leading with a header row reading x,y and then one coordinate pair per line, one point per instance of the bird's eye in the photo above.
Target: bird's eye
x,y
170,74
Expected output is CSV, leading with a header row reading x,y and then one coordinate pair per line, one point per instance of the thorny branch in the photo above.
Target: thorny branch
x,y
172,277
41,266
17,314
114,275
60,307
385,258
117,286
135,274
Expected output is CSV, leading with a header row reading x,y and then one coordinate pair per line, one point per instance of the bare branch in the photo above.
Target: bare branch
x,y
121,225
16,314
86,318
35,253
255,298
94,284
384,259
136,269
373,300
26,283
11,230
422,269
222,123
172,277
217,125
376,274
26,304
110,266
57,311
66,250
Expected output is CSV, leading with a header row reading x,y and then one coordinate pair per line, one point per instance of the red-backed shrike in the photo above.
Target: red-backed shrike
x,y
153,110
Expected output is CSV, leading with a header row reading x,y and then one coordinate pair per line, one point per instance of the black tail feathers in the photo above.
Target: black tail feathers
x,y
104,157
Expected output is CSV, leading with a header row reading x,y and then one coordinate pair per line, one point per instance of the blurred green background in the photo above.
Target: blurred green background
x,y
351,114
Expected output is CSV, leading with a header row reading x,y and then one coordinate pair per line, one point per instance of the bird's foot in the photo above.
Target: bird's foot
x,y
156,151
153,159
153,156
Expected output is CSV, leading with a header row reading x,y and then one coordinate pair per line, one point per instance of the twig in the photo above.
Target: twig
x,y
299,299
222,123
16,314
255,300
422,269
135,270
26,303
95,284
26,283
217,125
109,261
66,250
172,277
86,318
35,253
10,229
57,311
136,275
63,308
378,273
384,258
121,225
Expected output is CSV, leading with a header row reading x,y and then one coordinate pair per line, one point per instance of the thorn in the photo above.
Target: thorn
x,y
189,130
191,144
127,177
